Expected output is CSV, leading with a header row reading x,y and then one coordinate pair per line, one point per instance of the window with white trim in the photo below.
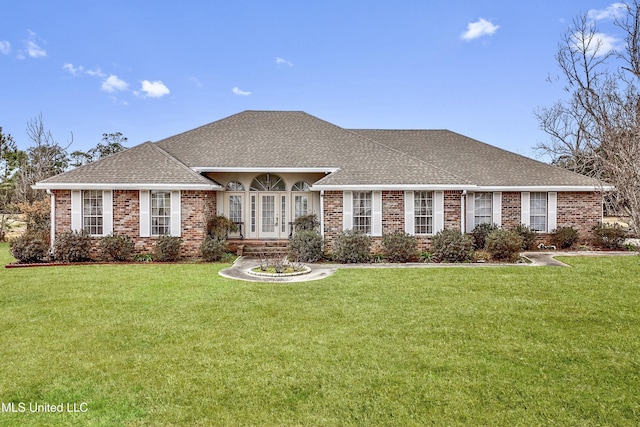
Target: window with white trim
x,y
423,212
235,207
482,208
300,201
160,213
92,212
538,211
234,186
362,209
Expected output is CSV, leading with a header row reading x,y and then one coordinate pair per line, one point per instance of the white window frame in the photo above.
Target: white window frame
x,y
540,211
92,212
426,213
78,211
363,211
146,217
482,208
160,213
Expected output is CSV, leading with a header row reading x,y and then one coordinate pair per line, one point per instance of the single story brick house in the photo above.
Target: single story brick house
x,y
262,169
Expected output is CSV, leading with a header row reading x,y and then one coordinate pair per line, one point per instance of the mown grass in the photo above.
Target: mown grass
x,y
180,345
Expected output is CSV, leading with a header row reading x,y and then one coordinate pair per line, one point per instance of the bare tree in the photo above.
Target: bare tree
x,y
45,158
596,131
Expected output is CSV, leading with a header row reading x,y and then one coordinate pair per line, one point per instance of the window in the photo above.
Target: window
x,y
482,208
235,207
300,201
362,211
267,182
160,213
423,212
92,219
234,186
538,211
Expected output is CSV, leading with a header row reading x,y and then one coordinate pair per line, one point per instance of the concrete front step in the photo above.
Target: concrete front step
x,y
256,248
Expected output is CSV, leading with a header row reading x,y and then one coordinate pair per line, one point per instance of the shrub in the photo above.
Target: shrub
x,y
213,248
72,246
351,246
30,247
564,237
528,237
608,236
306,246
399,246
504,245
167,249
116,248
219,226
479,234
37,216
306,222
452,246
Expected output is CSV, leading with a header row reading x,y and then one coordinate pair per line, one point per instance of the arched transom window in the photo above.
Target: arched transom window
x,y
267,182
235,186
300,186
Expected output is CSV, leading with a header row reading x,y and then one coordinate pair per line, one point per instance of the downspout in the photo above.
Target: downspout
x,y
53,216
322,214
463,227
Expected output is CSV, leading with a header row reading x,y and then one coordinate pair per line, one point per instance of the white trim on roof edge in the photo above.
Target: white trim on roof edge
x,y
432,187
201,169
112,186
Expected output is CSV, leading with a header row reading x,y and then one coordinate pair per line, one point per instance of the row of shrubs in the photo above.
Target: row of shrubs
x,y
77,247
499,244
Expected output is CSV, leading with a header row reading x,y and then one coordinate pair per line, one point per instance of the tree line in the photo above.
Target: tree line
x,y
44,158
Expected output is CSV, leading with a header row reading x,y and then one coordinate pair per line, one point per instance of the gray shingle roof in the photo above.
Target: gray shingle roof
x,y
293,139
144,164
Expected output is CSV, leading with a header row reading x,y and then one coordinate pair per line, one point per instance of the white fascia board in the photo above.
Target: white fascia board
x,y
112,186
409,187
543,188
204,169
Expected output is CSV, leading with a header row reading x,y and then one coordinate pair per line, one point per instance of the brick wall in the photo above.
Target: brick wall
x,y
511,209
332,216
579,210
196,208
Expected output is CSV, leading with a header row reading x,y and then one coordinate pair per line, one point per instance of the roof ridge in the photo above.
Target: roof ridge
x,y
407,154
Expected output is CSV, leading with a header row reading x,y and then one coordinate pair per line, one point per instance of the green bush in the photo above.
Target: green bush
x,y
351,246
564,237
167,249
219,226
72,246
452,246
29,248
306,222
116,248
608,236
306,246
504,245
213,248
399,246
528,237
479,234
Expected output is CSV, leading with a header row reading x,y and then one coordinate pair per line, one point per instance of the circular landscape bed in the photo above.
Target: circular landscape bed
x,y
271,271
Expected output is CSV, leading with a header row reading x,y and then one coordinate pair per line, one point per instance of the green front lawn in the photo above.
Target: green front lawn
x,y
180,345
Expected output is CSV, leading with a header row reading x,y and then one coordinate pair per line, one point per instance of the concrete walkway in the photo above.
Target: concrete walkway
x,y
239,269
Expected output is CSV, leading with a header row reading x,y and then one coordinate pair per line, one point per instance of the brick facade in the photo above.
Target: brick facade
x,y
196,208
579,210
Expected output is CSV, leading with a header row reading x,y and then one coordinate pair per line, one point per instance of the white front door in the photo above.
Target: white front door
x,y
268,220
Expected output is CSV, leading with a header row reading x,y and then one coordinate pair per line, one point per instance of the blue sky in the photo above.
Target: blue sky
x,y
152,69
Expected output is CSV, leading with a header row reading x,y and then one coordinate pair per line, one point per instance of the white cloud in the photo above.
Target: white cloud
x,y
32,47
477,29
74,71
113,83
237,91
615,10
600,44
5,47
96,73
282,61
155,89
